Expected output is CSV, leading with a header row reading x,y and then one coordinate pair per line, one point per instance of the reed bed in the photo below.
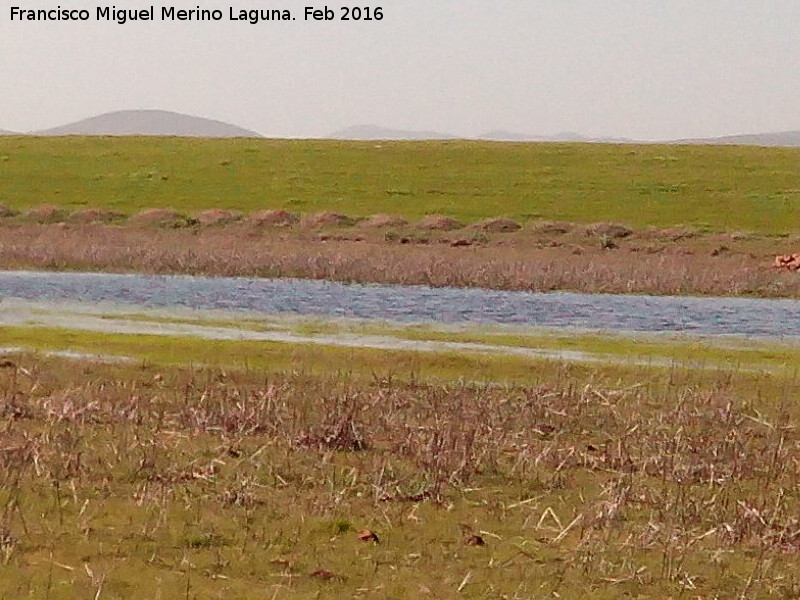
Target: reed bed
x,y
131,482
633,265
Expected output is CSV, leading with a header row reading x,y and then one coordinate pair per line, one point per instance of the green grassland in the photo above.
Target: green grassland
x,y
731,188
155,480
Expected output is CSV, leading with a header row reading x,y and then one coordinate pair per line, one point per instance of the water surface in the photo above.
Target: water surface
x,y
613,312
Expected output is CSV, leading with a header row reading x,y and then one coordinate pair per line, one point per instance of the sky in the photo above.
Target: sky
x,y
641,69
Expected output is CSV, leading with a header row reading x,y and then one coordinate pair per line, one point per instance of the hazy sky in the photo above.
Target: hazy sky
x,y
645,69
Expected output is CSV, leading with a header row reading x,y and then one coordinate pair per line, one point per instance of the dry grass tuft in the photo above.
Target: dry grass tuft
x,y
609,230
6,212
326,219
550,227
498,225
158,216
218,216
47,213
381,221
439,223
96,215
274,218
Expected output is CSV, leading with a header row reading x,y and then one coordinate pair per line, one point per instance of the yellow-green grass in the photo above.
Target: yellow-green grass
x,y
274,357
615,358
709,351
708,187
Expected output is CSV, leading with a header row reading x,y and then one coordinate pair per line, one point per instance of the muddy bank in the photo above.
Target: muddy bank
x,y
557,257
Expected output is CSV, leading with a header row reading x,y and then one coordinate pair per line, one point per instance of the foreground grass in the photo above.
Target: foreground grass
x,y
718,188
134,481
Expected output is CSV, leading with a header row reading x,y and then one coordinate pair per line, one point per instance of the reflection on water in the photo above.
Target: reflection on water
x,y
742,316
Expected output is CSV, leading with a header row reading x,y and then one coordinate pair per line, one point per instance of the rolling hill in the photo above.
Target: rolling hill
x,y
149,122
780,138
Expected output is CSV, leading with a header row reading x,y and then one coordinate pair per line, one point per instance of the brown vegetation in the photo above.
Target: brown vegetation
x,y
218,216
499,225
96,215
615,487
47,213
158,216
326,219
6,212
643,263
380,221
439,223
610,230
274,218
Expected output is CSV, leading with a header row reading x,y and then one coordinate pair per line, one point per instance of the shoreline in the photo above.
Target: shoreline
x,y
567,258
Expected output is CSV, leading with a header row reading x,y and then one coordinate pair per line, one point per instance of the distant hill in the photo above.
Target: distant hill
x,y
500,135
374,132
6,132
149,122
780,138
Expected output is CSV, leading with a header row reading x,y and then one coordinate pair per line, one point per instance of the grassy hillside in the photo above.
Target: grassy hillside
x,y
725,188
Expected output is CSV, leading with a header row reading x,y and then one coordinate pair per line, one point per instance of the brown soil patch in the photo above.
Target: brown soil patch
x,y
379,221
274,218
500,225
47,214
612,230
327,219
217,216
439,223
96,215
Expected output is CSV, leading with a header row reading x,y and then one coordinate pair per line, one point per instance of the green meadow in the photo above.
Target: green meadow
x,y
209,469
729,188
136,465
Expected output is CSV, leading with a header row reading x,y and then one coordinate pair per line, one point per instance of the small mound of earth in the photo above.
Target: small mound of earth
x,y
158,216
6,212
327,219
274,218
96,215
47,214
379,221
439,223
611,230
218,216
551,227
673,234
499,225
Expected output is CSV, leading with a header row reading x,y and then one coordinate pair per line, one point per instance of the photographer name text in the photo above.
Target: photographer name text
x,y
253,16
